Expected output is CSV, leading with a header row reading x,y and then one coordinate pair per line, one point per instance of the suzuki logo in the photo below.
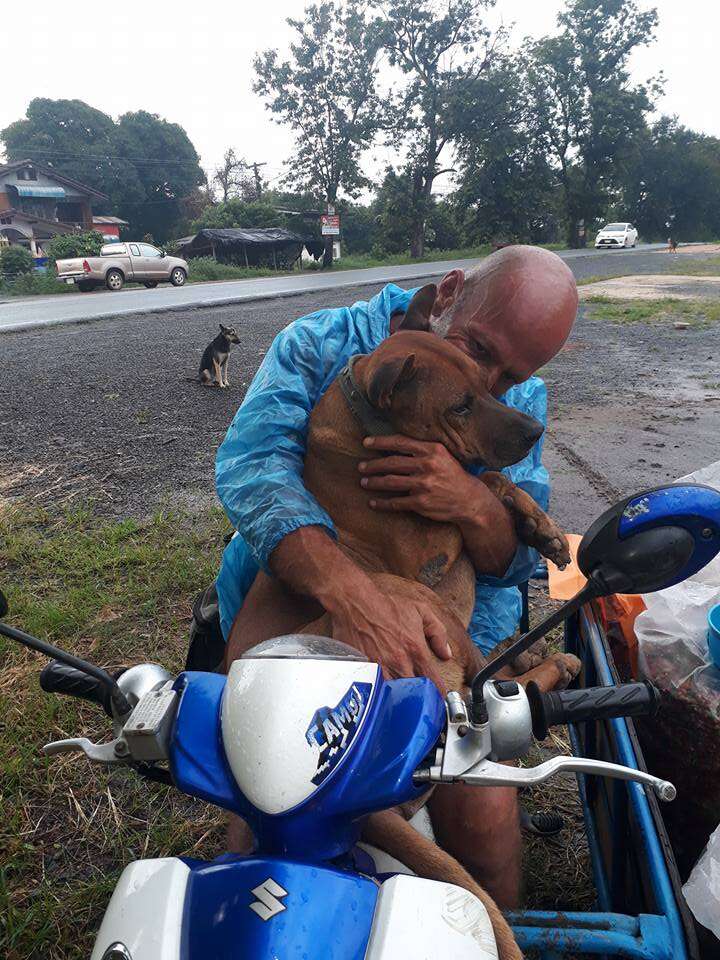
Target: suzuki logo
x,y
267,904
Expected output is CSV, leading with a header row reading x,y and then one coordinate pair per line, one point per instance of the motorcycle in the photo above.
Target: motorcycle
x,y
304,738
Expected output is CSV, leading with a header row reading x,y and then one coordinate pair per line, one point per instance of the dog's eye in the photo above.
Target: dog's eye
x,y
462,409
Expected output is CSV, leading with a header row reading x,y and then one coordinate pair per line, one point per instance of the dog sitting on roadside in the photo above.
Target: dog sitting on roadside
x,y
213,365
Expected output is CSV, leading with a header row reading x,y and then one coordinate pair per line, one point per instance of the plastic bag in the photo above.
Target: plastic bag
x,y
702,890
673,628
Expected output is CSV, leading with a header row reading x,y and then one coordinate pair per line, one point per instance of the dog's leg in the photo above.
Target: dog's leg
x,y
534,526
224,370
218,373
554,673
389,832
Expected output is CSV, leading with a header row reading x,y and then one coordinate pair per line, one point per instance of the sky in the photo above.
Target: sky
x,y
191,63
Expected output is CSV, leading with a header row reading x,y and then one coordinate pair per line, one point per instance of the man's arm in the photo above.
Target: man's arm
x,y
259,481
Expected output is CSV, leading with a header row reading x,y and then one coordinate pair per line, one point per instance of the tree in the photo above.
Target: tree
x,y
145,164
672,175
168,169
506,186
326,93
434,46
227,176
587,111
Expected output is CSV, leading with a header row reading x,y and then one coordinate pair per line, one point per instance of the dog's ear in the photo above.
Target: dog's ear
x,y
223,329
388,376
417,315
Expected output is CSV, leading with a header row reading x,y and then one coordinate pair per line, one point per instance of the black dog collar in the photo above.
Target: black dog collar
x,y
370,419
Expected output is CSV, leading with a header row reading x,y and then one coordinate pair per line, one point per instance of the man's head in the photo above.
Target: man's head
x,y
511,314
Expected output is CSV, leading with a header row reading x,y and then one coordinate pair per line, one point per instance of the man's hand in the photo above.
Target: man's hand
x,y
393,631
427,479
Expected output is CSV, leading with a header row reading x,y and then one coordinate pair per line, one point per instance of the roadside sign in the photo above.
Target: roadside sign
x,y
330,225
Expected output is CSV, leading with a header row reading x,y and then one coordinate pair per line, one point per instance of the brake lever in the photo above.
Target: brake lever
x,y
114,752
490,774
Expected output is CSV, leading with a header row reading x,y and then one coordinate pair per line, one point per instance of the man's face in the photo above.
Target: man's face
x,y
502,350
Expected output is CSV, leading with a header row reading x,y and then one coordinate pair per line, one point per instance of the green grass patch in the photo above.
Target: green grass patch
x,y
695,312
707,267
117,593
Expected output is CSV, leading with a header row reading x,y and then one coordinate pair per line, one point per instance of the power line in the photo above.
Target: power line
x,y
107,157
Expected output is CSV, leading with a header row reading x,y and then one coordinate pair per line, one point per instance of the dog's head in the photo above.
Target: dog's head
x,y
430,390
229,333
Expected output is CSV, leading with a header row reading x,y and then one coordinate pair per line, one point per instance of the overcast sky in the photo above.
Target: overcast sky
x,y
191,63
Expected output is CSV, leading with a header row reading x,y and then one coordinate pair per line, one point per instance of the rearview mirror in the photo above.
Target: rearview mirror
x,y
647,542
652,540
162,253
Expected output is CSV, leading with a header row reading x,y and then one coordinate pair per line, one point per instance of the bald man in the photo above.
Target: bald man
x,y
511,315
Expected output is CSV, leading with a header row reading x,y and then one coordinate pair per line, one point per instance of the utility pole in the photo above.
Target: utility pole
x,y
255,167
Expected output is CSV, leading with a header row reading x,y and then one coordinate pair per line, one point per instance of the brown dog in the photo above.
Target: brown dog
x,y
421,386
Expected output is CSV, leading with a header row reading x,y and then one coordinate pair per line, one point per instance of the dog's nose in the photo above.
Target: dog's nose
x,y
533,430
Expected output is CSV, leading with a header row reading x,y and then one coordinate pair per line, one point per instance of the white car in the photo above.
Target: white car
x,y
616,235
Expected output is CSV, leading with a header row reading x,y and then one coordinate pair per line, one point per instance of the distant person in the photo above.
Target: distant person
x,y
672,245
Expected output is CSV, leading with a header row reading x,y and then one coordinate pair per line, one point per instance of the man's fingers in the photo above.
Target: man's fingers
x,y
435,633
397,484
399,443
394,504
390,465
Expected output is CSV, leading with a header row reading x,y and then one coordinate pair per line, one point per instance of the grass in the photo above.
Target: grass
x,y
694,312
708,267
117,593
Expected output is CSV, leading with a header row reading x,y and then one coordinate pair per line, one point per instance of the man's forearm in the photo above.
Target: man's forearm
x,y
488,533
311,563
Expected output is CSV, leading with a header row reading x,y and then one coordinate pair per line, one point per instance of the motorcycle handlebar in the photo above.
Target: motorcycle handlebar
x,y
58,677
591,703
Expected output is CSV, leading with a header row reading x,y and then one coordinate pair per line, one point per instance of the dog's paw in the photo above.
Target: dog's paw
x,y
530,658
568,667
548,539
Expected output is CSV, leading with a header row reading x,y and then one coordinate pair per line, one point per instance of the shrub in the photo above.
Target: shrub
x,y
70,245
16,261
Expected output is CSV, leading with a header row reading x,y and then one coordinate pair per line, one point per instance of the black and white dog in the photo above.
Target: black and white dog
x,y
213,366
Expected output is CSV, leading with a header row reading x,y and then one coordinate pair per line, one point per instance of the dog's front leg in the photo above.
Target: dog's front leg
x,y
224,370
534,527
218,373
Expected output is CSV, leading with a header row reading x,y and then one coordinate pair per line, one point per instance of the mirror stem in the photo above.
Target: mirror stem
x,y
590,591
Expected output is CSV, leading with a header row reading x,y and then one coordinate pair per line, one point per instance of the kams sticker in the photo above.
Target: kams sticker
x,y
332,729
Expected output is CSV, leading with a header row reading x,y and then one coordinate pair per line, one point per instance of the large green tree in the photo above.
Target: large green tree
x,y
325,92
145,164
437,47
672,176
587,111
167,167
506,188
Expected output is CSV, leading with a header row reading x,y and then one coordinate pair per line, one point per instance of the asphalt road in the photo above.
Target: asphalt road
x,y
104,410
80,307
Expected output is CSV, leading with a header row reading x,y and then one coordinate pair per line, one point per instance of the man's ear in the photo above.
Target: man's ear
x,y
389,375
417,315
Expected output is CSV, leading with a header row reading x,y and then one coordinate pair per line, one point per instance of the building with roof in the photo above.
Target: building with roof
x,y
37,204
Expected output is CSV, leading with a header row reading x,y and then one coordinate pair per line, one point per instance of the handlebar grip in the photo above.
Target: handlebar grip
x,y
58,677
592,703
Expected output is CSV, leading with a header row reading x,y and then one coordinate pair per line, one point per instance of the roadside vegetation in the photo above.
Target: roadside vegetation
x,y
669,310
118,593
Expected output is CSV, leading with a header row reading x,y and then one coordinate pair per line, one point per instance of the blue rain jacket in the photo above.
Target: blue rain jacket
x,y
260,463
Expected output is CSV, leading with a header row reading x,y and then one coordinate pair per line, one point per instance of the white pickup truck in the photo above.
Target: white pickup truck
x,y
121,263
